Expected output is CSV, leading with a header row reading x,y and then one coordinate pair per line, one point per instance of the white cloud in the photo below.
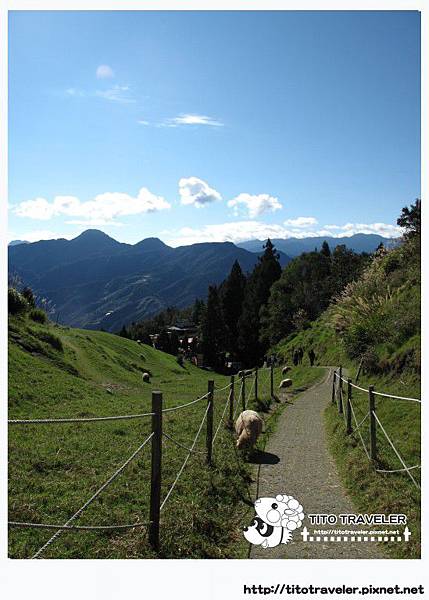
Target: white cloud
x,y
117,93
301,222
39,209
121,94
254,206
102,210
192,119
197,192
95,223
76,93
104,72
141,122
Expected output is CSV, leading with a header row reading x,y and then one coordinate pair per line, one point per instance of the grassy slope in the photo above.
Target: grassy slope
x,y
54,469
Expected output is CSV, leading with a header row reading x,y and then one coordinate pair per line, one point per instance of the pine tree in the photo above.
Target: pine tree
x,y
325,249
213,329
198,311
124,332
174,343
232,296
266,272
410,219
163,341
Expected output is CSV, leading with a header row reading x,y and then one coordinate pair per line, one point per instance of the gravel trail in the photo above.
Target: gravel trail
x,y
300,464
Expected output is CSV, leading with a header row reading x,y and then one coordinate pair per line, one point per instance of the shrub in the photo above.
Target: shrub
x,y
17,304
38,315
52,340
29,296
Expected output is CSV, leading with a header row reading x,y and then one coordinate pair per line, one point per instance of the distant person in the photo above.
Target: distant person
x,y
300,355
295,358
311,356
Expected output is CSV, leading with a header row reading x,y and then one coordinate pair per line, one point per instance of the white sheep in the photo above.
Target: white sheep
x,y
146,377
285,383
285,370
248,428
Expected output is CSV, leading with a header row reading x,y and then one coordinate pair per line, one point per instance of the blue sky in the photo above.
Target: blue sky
x,y
212,126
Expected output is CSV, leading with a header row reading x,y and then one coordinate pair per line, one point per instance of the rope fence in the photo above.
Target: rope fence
x,y
346,408
232,401
191,449
78,527
93,497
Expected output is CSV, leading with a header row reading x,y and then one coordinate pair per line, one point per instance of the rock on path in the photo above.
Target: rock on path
x,y
307,471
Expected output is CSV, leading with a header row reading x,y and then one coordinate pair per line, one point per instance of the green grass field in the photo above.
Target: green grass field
x,y
374,492
53,469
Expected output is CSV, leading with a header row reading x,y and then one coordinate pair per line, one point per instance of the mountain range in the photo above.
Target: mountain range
x,y
360,242
94,281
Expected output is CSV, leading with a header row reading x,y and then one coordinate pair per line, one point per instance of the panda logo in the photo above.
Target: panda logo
x,y
275,520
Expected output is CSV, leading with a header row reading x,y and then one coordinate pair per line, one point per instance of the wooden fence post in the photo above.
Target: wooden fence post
x,y
333,387
256,383
271,381
349,406
340,396
231,402
155,487
209,438
372,425
243,391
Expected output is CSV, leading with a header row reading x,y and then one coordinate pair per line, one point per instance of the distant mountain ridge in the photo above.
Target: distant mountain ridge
x,y
97,282
359,242
17,242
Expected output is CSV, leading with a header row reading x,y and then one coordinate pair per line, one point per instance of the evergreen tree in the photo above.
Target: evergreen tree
x,y
410,220
305,288
346,266
124,332
266,272
174,343
325,249
232,296
212,329
163,341
198,311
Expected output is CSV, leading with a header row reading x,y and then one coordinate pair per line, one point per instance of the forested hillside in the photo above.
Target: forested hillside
x,y
375,319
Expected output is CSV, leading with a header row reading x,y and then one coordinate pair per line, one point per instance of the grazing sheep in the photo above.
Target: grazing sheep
x,y
285,383
248,428
146,377
285,370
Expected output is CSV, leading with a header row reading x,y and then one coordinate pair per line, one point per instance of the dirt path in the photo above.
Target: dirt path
x,y
300,465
